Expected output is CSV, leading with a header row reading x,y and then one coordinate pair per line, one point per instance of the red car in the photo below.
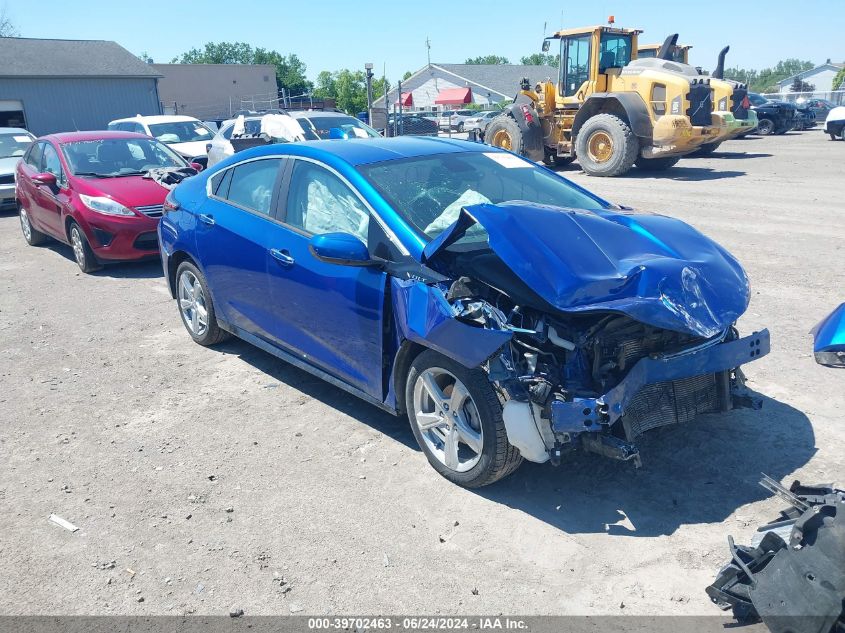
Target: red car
x,y
89,190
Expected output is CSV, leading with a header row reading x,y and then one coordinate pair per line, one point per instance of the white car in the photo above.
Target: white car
x,y
315,124
185,135
14,142
481,121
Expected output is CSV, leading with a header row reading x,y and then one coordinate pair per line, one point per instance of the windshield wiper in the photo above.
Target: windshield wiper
x,y
95,175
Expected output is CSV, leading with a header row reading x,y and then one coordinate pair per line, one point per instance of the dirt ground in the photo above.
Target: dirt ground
x,y
207,479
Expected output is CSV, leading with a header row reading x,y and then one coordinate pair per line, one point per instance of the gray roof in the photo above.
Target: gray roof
x,y
501,78
25,57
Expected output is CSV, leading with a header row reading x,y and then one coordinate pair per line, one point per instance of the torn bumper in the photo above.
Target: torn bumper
x,y
593,414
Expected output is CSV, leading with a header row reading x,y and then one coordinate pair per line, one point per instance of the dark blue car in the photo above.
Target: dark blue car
x,y
510,313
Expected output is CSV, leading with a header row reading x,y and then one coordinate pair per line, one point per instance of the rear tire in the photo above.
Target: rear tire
x,y
33,236
82,253
606,146
657,164
193,299
480,415
460,127
765,127
504,132
707,149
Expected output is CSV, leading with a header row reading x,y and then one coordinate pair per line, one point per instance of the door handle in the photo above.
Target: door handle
x,y
283,257
206,219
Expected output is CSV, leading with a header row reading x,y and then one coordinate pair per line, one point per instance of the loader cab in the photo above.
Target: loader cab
x,y
587,56
679,52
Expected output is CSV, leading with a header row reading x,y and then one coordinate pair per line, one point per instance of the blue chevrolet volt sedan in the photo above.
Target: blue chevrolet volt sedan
x,y
509,313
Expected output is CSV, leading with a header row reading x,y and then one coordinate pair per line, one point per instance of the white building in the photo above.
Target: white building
x,y
821,77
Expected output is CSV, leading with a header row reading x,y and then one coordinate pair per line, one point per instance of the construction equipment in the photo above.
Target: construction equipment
x,y
731,109
604,110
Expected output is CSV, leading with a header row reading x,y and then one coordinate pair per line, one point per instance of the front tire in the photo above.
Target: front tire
x,y
656,164
456,418
606,146
765,127
196,307
504,132
460,127
33,236
82,253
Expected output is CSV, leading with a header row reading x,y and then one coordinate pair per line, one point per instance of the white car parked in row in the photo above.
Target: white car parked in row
x,y
315,124
185,135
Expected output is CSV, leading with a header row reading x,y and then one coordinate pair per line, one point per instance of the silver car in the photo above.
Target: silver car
x,y
481,121
315,124
14,142
455,119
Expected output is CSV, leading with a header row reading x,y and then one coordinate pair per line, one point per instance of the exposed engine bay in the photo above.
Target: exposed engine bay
x,y
593,376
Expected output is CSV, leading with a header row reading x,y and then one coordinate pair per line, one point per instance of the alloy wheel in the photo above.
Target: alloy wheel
x,y
26,227
192,303
448,419
78,246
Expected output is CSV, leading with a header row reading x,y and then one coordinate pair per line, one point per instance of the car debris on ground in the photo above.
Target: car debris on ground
x,y
792,576
63,522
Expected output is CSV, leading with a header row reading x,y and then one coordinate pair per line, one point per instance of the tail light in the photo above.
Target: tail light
x,y
526,112
170,203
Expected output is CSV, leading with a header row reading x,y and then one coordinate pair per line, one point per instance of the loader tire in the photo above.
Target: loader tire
x,y
606,146
656,164
504,132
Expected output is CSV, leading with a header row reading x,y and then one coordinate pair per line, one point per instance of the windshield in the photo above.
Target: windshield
x,y
14,144
114,157
429,191
615,51
349,126
180,132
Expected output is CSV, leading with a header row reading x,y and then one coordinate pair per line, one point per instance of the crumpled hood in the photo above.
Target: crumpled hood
x,y
656,269
191,149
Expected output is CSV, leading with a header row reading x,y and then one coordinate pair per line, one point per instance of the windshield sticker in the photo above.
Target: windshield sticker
x,y
507,160
201,131
22,139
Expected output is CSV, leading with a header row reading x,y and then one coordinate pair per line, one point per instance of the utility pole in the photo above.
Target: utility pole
x,y
369,68
428,49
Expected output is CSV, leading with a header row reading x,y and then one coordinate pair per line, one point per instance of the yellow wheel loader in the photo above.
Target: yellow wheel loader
x,y
731,109
608,112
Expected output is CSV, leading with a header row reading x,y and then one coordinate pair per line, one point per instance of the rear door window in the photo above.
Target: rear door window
x,y
253,185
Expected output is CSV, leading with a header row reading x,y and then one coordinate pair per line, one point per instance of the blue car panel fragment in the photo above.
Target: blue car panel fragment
x,y
594,325
829,339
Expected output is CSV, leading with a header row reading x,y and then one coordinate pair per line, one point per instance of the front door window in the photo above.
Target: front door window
x,y
575,69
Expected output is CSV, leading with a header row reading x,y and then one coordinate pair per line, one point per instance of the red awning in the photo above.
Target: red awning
x,y
406,99
454,96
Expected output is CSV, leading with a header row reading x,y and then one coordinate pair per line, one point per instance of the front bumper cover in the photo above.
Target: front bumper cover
x,y
591,414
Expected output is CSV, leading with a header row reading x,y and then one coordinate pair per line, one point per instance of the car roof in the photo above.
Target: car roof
x,y
296,114
372,150
97,135
157,118
14,130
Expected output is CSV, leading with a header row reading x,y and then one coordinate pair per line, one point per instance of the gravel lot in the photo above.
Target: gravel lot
x,y
207,479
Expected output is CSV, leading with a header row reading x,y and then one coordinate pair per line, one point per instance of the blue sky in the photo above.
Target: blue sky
x,y
334,34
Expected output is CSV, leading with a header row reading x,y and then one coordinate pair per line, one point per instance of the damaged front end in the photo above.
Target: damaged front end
x,y
593,326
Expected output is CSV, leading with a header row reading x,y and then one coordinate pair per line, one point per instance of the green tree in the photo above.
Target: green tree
x,y
540,59
145,57
348,88
766,80
799,85
290,70
488,59
407,75
839,79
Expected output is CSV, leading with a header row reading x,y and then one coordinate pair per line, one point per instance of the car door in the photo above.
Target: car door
x,y
329,314
50,200
232,238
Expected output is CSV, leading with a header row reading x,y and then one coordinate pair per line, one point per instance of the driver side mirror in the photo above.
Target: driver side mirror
x,y
197,166
546,46
45,178
340,248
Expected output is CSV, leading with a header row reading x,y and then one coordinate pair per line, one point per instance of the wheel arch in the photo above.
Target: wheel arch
x,y
629,107
173,263
408,351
